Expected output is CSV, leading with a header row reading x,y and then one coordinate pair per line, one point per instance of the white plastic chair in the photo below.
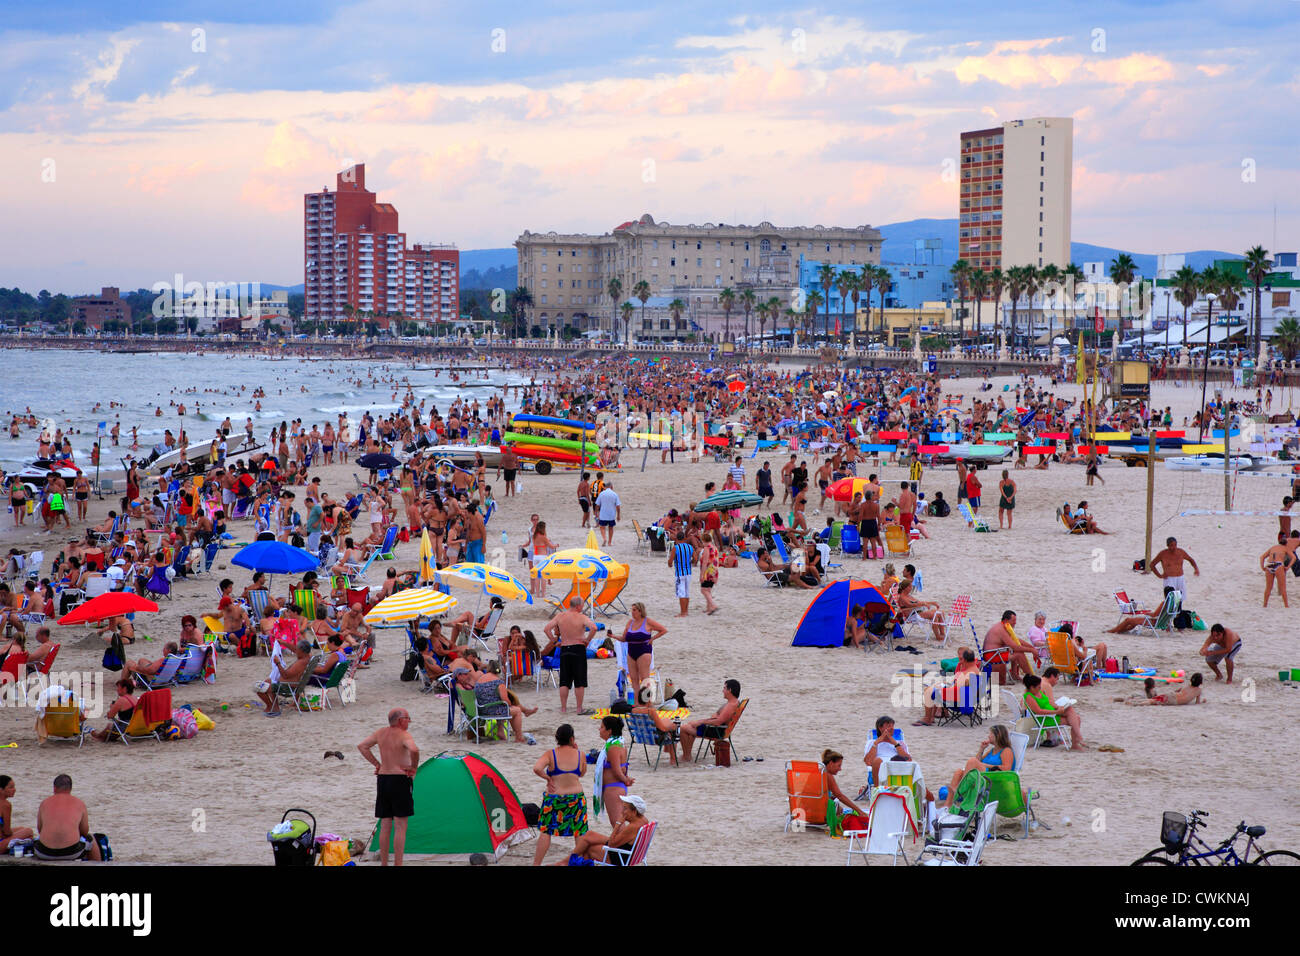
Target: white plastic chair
x,y
962,852
890,820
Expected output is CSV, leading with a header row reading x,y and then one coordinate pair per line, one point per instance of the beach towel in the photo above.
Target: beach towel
x,y
157,706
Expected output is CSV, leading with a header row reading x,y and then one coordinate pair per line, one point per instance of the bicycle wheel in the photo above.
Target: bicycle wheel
x,y
1154,858
1277,858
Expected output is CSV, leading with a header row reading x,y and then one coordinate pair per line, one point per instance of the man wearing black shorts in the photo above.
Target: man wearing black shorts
x,y
571,629
510,466
394,780
584,498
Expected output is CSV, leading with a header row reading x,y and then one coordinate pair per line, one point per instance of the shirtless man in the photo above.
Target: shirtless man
x,y
906,507
1169,565
715,725
824,480
235,619
570,629
394,780
352,625
1221,643
1001,637
787,473
63,825
869,526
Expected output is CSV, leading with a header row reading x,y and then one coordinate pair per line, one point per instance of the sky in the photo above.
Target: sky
x,y
140,141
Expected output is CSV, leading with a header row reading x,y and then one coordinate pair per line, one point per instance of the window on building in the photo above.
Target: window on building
x,y
699,261
717,263
543,266
543,300
654,261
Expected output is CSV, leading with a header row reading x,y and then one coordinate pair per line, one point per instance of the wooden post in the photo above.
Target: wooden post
x,y
1151,492
1227,489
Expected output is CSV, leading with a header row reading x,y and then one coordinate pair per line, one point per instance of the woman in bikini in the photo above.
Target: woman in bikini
x,y
1274,563
542,546
564,807
639,634
614,780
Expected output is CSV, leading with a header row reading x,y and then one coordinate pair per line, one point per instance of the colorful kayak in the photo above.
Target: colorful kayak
x,y
558,455
546,441
547,423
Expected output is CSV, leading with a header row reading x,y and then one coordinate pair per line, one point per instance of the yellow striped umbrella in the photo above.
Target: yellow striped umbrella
x,y
486,579
578,564
410,605
426,558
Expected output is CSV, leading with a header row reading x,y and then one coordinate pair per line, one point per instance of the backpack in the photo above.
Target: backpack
x,y
247,646
409,668
184,721
1183,620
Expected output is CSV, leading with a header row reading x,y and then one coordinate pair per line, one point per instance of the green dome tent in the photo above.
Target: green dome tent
x,y
462,805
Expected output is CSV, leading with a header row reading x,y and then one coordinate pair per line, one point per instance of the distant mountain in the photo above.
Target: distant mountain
x,y
900,237
481,260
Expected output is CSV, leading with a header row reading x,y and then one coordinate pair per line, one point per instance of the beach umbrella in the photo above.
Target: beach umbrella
x,y
275,557
846,488
487,579
591,542
813,425
377,461
427,572
736,386
785,423
410,605
112,604
578,564
729,500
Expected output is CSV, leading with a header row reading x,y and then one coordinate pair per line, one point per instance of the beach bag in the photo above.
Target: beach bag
x,y
247,646
532,813
410,668
334,853
1183,620
183,720
1198,624
115,656
202,720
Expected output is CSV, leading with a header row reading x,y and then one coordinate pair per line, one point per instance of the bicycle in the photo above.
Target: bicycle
x,y
1182,847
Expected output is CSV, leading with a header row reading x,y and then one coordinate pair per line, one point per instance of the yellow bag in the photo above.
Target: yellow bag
x,y
202,719
334,853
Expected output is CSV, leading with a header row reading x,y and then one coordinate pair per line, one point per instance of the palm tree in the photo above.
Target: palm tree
x,y
1019,280
979,288
641,291
747,302
626,311
793,317
960,272
883,281
1122,271
1287,336
1050,277
727,301
844,283
771,309
1073,277
812,301
520,299
1258,265
677,307
615,292
826,279
997,282
855,290
1187,287
867,282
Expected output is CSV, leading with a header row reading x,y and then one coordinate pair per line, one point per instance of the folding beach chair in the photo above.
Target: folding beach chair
x,y
607,600
64,721
357,572
294,692
138,728
889,821
972,520
257,603
390,540
333,680
634,855
896,541
306,601
705,745
850,541
1127,606
643,731
639,537
972,701
805,789
166,675
770,578
962,852
1060,646
480,726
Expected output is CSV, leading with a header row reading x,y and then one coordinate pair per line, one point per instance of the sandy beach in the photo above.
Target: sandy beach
x,y
212,799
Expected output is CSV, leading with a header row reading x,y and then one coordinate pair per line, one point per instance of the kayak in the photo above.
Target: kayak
x,y
567,444
547,423
557,455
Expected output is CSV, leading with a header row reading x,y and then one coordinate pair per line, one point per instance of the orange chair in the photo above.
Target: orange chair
x,y
805,787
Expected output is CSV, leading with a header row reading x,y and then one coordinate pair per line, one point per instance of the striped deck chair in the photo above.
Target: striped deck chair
x,y
390,540
307,604
639,536
704,745
257,603
636,854
644,732
972,520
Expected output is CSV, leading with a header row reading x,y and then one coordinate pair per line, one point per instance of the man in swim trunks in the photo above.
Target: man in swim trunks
x,y
570,629
63,825
1002,646
394,780
584,498
510,467
1218,648
1169,565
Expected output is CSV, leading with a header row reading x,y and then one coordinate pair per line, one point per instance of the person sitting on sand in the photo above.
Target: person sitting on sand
x,y
832,764
1038,701
949,694
590,847
1218,648
8,832
1090,525
909,604
1189,694
118,625
994,753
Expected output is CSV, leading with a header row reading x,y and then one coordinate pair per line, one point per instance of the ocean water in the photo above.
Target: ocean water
x,y
64,387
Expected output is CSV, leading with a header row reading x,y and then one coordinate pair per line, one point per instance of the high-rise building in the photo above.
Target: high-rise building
x,y
568,275
354,254
1015,204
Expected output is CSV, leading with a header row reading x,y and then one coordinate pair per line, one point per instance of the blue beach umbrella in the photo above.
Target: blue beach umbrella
x,y
275,557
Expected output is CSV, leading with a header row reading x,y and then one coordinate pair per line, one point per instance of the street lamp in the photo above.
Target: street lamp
x,y
1205,368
